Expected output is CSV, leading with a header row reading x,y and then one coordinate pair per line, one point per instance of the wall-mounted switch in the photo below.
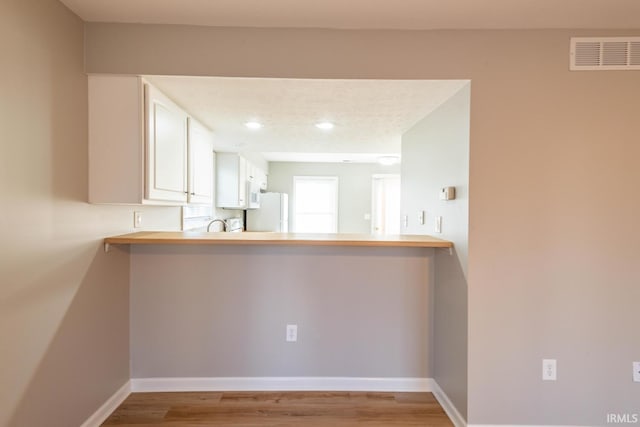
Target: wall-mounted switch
x,y
405,221
549,369
292,333
421,217
438,224
636,372
137,219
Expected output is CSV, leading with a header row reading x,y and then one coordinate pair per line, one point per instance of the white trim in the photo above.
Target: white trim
x,y
108,407
281,384
452,412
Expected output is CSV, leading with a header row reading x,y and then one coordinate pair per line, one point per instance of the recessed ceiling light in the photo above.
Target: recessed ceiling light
x,y
388,160
325,125
253,125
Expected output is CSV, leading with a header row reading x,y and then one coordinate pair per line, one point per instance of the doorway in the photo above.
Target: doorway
x,y
385,204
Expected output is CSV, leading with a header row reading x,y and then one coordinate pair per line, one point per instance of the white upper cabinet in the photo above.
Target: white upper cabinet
x,y
231,182
165,147
238,182
200,164
143,148
253,187
261,177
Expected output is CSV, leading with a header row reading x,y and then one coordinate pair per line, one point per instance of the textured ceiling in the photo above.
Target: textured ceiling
x,y
396,14
369,115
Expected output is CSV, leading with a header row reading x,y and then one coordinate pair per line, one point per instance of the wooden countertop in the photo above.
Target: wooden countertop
x,y
258,238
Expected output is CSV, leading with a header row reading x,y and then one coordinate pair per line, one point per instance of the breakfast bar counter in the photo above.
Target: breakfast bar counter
x,y
204,305
290,239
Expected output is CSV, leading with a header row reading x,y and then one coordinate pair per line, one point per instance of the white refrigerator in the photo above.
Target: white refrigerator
x,y
272,215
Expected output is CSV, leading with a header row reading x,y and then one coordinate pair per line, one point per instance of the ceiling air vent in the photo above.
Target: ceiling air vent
x,y
605,53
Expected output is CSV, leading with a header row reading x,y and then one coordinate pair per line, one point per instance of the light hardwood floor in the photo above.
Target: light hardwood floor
x,y
282,409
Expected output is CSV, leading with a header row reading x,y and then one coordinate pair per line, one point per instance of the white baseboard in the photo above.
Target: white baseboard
x,y
108,407
454,415
286,384
281,384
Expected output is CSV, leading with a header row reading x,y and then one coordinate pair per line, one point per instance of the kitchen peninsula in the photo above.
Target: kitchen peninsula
x,y
209,310
259,238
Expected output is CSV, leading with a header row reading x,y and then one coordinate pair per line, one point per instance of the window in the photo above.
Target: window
x,y
315,204
385,199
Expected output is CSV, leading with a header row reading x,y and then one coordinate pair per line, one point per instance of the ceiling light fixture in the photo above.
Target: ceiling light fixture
x,y
325,125
253,125
388,160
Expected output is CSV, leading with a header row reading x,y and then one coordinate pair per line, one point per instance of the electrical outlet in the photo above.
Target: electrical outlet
x,y
438,225
421,217
549,369
137,219
636,372
292,333
405,220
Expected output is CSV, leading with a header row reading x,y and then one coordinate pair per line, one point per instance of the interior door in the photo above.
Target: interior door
x,y
385,200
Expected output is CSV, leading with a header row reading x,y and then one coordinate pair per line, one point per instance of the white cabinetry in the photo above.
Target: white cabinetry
x,y
166,148
261,177
238,182
253,179
143,148
231,182
200,164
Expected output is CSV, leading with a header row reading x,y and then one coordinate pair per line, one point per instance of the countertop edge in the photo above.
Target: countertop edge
x,y
279,239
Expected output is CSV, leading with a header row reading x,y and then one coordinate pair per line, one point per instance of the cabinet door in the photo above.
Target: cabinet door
x,y
231,181
166,148
242,182
262,180
200,164
250,171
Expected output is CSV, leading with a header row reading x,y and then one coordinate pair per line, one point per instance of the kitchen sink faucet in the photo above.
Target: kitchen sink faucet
x,y
224,224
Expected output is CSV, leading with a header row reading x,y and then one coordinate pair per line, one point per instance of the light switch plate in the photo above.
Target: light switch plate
x,y
137,219
438,225
549,369
636,372
292,333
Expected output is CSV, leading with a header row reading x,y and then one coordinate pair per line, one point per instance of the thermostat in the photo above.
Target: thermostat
x,y
448,193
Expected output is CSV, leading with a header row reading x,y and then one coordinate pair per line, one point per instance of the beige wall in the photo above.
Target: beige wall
x,y
64,314
354,188
435,154
222,311
553,231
